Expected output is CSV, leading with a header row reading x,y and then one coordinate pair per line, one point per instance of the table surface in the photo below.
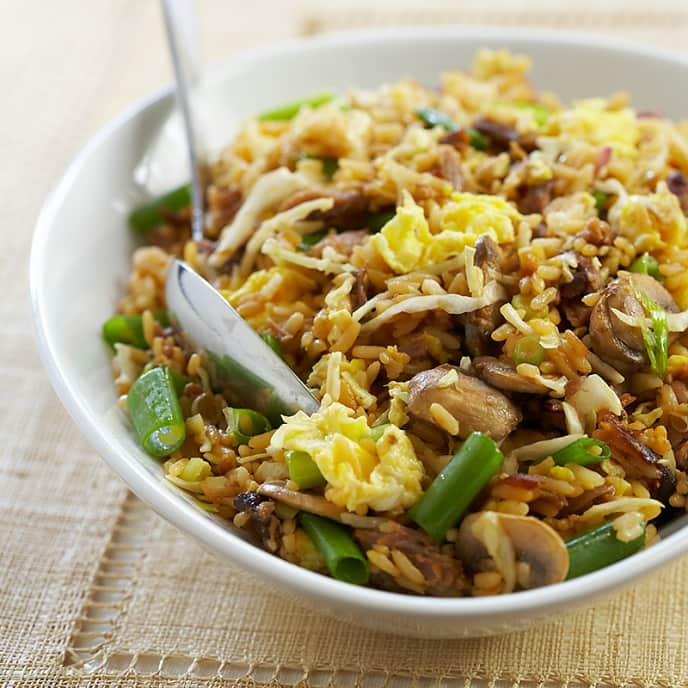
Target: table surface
x,y
94,588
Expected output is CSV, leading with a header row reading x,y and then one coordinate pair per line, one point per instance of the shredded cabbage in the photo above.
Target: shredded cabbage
x,y
454,304
280,254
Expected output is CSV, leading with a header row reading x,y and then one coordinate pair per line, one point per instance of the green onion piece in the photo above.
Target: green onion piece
x,y
376,221
309,240
155,412
648,265
303,470
330,165
477,140
125,329
598,548
377,431
529,350
147,217
128,329
600,200
290,110
656,339
580,452
273,342
434,118
458,484
344,559
245,423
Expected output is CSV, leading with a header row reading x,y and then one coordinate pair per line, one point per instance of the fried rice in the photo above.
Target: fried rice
x,y
474,258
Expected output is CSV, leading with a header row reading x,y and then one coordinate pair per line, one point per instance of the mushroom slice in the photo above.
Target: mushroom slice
x,y
502,375
614,341
480,324
475,405
493,535
301,501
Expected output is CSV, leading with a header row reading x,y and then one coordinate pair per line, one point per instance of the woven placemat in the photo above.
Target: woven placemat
x,y
95,590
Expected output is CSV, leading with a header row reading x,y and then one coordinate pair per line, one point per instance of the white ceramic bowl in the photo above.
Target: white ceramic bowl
x,y
81,255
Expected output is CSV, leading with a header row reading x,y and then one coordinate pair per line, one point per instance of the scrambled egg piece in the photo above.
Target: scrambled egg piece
x,y
650,221
590,121
382,475
282,284
406,243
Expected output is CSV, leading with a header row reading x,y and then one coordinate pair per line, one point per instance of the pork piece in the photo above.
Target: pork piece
x,y
678,185
534,198
263,521
597,232
350,209
595,495
450,166
502,375
475,405
500,135
458,139
443,574
614,341
586,279
479,325
343,242
636,458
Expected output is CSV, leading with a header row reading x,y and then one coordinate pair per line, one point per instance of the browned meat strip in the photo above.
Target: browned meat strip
x,y
636,458
457,139
359,294
596,495
475,405
450,166
342,242
479,325
617,343
350,209
502,375
443,574
500,135
534,198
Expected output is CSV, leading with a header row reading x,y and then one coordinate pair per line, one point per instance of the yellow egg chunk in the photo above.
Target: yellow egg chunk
x,y
276,285
406,243
651,221
388,478
590,121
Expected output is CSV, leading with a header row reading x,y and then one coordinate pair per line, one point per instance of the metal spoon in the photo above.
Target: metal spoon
x,y
240,363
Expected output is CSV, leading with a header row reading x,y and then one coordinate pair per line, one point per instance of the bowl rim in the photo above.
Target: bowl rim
x,y
220,539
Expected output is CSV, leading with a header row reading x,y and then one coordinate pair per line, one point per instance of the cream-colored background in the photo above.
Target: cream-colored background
x,y
94,588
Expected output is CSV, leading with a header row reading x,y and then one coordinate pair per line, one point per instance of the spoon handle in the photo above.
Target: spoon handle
x,y
182,37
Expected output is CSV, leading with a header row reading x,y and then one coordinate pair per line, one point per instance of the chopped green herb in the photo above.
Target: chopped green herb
x,y
600,200
656,337
434,118
648,265
529,350
309,240
245,423
290,110
376,221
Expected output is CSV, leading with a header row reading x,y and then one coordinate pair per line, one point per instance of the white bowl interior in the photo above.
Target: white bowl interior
x,y
82,255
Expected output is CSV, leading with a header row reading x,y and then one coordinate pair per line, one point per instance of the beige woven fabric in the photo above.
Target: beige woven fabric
x,y
96,590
